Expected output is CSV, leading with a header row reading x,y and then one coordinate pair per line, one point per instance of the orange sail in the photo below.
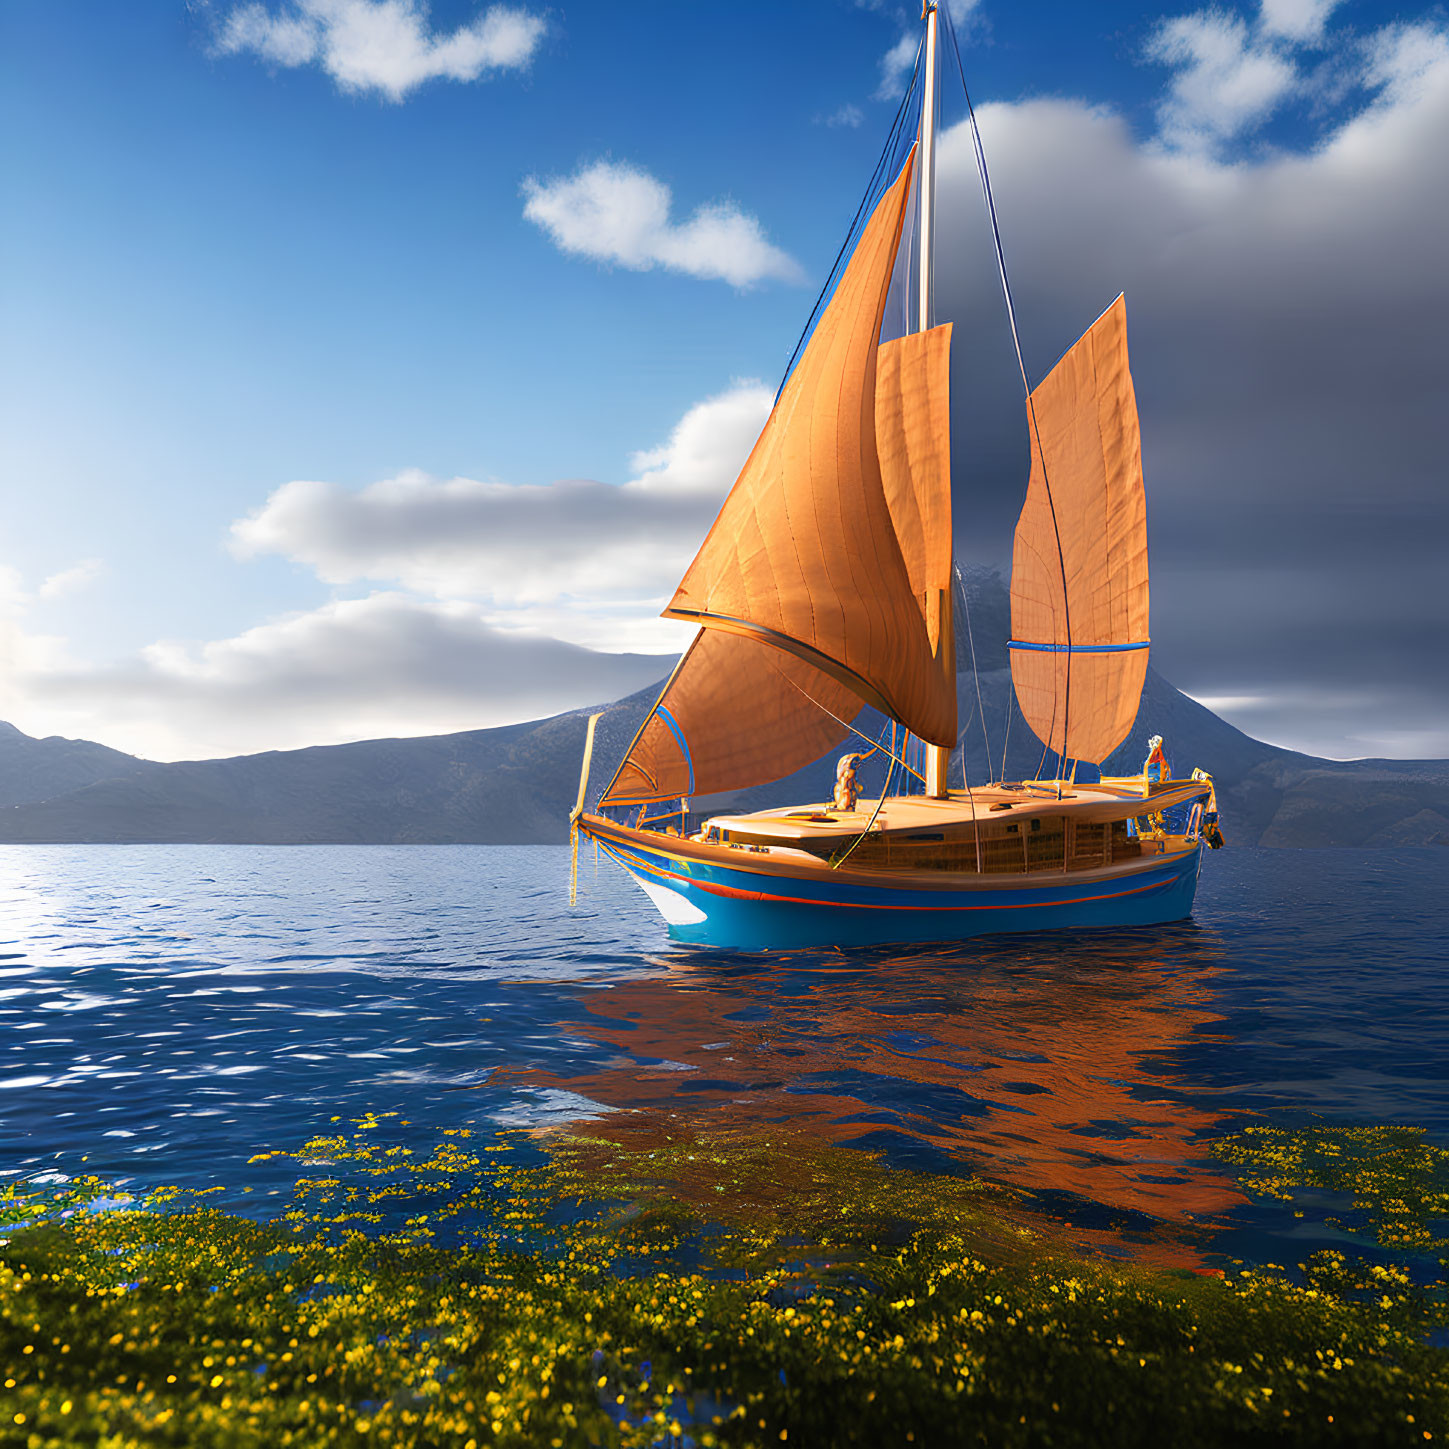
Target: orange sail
x,y
1079,570
913,442
805,555
735,713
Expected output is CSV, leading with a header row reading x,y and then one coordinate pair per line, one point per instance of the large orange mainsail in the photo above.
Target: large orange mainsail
x,y
821,586
1079,597
804,554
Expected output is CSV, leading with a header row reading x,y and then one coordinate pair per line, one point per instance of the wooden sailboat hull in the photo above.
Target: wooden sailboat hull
x,y
739,903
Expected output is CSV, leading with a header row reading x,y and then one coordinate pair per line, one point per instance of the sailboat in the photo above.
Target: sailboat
x,y
824,590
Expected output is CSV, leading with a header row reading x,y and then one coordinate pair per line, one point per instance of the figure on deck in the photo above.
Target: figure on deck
x,y
1154,767
847,788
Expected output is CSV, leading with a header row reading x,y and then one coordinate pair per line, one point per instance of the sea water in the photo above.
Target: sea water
x,y
171,1011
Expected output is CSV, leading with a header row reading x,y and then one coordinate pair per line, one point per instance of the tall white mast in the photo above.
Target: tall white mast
x,y
938,757
928,169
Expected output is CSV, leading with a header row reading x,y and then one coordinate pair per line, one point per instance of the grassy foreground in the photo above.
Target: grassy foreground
x,y
668,1289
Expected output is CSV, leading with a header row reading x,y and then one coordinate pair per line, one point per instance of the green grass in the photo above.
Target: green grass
x,y
641,1289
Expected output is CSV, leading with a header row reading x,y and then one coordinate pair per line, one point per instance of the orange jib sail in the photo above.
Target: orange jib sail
x,y
1079,591
735,713
805,556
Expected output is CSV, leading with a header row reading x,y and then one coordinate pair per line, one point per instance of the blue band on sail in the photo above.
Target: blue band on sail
x,y
678,735
1078,648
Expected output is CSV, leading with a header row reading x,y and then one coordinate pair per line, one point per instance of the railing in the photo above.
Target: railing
x,y
675,823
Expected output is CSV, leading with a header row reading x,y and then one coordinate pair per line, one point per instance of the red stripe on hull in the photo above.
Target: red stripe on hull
x,y
735,893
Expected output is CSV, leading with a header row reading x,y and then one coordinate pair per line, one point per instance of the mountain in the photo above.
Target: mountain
x,y
515,785
33,770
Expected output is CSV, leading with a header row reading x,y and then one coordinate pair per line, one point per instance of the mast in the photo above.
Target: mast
x,y
928,171
938,757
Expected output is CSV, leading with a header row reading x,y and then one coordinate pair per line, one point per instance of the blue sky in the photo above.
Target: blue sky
x,y
257,263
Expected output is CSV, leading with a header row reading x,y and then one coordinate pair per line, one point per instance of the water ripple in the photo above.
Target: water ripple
x,y
169,1011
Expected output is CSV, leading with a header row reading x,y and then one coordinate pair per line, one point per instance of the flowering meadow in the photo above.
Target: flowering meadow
x,y
643,1285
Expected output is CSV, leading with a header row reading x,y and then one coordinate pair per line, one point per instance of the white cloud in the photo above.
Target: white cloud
x,y
847,115
20,650
15,598
614,212
591,560
381,46
1406,63
289,40
1338,723
1226,81
1225,704
382,666
71,580
506,582
1231,76
708,446
895,65
1297,20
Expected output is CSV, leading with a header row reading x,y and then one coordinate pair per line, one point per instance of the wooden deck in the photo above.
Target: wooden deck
x,y
997,830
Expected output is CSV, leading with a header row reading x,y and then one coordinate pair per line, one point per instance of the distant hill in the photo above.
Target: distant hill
x,y
33,770
515,785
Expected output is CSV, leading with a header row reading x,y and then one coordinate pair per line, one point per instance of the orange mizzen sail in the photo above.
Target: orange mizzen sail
x,y
1079,570
805,555
735,713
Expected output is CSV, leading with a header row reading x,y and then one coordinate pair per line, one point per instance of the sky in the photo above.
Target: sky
x,y
375,368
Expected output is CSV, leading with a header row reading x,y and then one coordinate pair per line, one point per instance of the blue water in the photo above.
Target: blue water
x,y
166,1012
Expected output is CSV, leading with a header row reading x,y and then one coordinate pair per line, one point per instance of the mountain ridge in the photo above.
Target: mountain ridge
x,y
515,784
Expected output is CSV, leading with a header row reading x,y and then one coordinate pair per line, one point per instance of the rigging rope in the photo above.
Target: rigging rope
x,y
865,200
835,864
976,676
845,724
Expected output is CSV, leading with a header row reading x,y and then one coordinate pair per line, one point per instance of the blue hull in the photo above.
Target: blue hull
x,y
709,903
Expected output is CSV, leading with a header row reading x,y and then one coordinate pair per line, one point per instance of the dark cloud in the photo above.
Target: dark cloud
x,y
1288,320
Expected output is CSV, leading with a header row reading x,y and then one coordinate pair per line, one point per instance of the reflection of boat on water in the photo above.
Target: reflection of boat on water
x,y
1046,1075
825,587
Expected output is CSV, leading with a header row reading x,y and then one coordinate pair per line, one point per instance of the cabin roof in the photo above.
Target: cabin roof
x,y
904,815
